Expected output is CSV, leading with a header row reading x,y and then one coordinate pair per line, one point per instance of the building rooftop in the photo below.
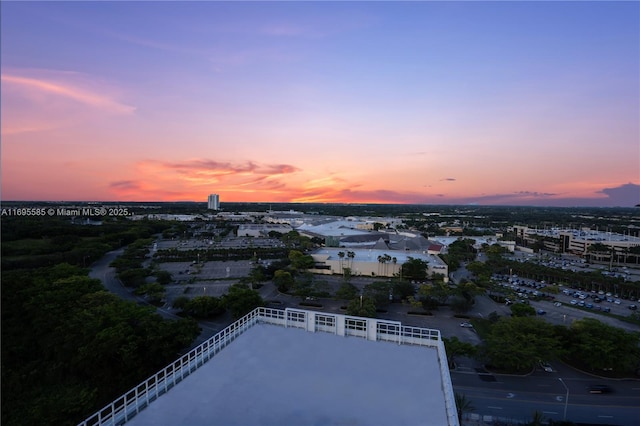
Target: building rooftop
x,y
371,255
296,367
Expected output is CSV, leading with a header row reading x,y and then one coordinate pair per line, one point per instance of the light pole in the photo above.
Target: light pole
x,y
566,399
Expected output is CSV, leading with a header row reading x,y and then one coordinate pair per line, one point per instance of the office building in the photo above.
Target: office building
x,y
213,203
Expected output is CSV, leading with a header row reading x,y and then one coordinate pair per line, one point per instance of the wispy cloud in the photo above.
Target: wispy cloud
x,y
42,100
68,91
210,168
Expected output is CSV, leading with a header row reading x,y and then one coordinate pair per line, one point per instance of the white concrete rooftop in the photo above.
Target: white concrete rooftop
x,y
272,375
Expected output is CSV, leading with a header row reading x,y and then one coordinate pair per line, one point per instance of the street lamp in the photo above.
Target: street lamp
x,y
566,399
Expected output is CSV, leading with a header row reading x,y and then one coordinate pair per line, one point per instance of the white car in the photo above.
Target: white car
x,y
466,325
617,302
546,367
574,302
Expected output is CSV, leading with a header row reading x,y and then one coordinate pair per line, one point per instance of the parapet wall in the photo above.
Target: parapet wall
x,y
131,403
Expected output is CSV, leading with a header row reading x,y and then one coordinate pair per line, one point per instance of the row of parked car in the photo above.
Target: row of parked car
x,y
596,298
590,305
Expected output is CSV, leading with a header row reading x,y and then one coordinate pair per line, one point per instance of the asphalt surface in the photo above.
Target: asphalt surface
x,y
107,275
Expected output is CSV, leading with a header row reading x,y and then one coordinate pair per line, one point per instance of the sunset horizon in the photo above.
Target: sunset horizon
x,y
444,103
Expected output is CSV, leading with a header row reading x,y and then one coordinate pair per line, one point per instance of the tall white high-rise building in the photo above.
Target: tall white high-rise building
x,y
213,203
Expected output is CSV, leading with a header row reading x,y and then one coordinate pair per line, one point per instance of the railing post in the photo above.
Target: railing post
x,y
311,321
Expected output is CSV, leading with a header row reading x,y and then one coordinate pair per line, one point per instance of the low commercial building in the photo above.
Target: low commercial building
x,y
373,262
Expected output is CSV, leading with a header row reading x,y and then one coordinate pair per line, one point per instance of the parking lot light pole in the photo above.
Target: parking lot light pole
x,y
566,399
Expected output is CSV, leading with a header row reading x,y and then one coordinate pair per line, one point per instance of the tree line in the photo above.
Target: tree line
x,y
69,347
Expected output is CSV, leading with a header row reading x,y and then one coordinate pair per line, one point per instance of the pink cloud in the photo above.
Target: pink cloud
x,y
45,100
67,90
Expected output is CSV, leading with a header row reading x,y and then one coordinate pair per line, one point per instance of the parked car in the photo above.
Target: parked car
x,y
466,325
541,311
633,307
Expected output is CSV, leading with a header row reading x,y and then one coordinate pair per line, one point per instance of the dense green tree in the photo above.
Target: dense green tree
x,y
256,276
133,277
465,294
270,269
380,292
293,239
455,347
181,302
300,261
518,343
522,310
600,346
347,291
153,291
163,277
240,300
481,270
403,289
414,269
303,285
461,305
69,346
204,307
463,248
362,307
283,280
434,295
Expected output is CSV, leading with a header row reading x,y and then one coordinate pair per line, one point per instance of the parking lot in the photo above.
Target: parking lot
x,y
570,305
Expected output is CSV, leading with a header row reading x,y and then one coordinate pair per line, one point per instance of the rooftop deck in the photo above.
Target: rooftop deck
x,y
296,367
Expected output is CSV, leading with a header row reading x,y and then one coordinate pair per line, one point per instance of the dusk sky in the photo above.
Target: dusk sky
x,y
491,103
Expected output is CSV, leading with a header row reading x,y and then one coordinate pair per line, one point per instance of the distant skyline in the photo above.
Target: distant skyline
x,y
488,103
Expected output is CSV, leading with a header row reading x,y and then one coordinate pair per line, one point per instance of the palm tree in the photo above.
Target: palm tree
x,y
341,256
463,405
385,259
351,255
537,419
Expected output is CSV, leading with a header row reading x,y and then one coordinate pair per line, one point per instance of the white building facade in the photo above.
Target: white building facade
x,y
213,202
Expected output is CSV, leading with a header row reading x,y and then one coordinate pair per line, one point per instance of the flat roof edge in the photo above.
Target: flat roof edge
x,y
137,399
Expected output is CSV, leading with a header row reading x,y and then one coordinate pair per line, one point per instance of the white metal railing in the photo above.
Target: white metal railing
x,y
132,402
128,405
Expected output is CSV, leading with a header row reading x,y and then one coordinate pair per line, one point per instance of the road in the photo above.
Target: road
x,y
107,275
517,397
